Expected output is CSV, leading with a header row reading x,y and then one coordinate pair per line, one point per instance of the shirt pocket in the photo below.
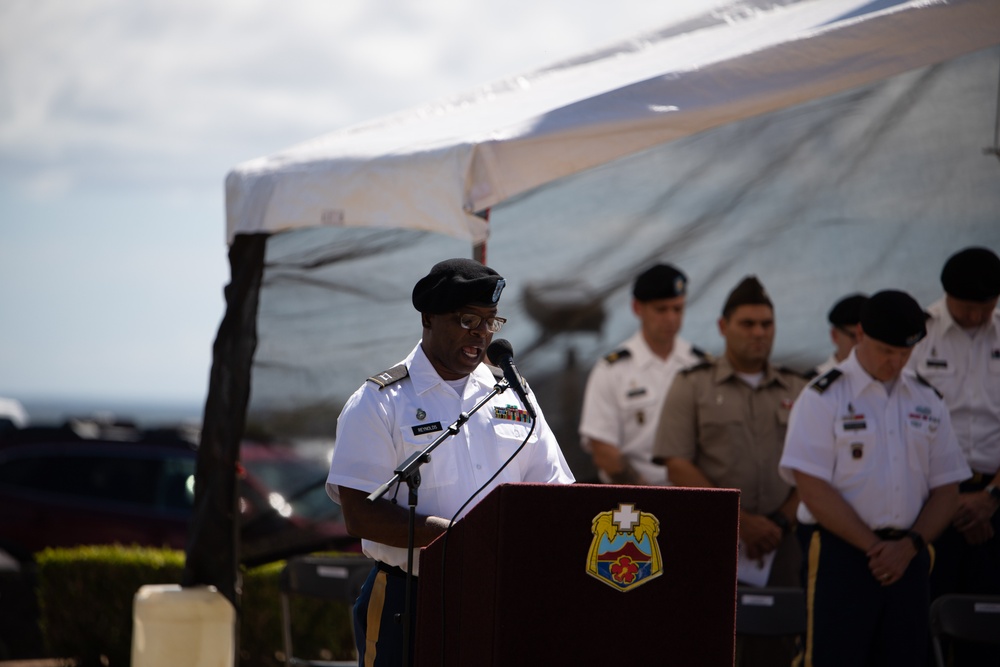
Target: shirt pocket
x,y
721,436
918,445
441,470
855,456
509,437
941,377
640,413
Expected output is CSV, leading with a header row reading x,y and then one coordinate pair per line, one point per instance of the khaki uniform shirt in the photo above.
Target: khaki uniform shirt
x,y
731,431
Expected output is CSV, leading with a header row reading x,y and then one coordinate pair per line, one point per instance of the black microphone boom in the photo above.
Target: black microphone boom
x,y
501,355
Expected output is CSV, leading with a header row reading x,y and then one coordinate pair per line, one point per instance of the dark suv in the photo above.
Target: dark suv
x,y
104,484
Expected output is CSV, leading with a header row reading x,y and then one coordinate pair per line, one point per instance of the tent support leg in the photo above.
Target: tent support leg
x,y
212,552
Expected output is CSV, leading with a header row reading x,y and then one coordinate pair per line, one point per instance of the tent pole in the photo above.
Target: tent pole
x,y
212,551
479,249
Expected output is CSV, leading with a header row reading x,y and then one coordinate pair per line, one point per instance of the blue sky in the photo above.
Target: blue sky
x,y
119,121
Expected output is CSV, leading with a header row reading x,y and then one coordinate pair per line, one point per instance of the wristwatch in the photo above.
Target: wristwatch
x,y
994,492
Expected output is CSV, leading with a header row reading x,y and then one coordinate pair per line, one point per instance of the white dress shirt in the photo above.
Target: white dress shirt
x,y
883,452
380,428
966,370
623,401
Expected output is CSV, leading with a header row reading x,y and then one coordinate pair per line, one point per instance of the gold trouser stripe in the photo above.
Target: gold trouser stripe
x,y
375,604
813,564
933,554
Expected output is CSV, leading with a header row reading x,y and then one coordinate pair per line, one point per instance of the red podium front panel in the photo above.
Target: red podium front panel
x,y
583,574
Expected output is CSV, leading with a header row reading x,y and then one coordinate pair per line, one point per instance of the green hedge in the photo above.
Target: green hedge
x,y
86,596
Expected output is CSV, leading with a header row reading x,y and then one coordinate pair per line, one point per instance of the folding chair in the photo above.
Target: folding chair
x,y
771,611
964,618
321,577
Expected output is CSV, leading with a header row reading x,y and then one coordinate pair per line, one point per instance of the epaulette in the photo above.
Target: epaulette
x,y
618,355
391,376
924,381
824,382
700,353
704,363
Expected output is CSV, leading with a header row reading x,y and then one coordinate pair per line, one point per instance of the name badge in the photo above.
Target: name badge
x,y
423,429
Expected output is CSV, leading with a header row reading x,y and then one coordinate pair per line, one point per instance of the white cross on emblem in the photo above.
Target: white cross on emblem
x,y
625,517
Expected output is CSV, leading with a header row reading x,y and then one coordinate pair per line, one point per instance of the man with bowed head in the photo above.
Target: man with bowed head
x,y
625,390
871,449
398,412
961,358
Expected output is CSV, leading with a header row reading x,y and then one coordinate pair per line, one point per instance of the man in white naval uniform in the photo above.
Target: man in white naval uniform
x,y
625,390
403,409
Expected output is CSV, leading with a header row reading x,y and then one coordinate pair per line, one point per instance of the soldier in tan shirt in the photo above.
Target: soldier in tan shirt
x,y
723,425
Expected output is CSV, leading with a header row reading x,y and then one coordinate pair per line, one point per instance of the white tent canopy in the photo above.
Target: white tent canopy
x,y
828,146
434,167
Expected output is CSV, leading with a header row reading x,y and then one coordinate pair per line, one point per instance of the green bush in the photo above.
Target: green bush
x,y
86,601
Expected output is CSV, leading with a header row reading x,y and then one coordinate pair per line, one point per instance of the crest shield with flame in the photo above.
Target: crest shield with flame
x,y
624,553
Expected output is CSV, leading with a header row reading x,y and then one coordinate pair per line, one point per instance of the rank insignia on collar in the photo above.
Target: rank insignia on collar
x,y
512,413
624,552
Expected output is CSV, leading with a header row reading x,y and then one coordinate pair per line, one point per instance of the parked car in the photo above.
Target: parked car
x,y
111,483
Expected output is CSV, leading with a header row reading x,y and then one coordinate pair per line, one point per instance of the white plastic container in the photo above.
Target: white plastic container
x,y
189,627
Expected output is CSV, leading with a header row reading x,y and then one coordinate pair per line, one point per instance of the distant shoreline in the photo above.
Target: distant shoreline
x,y
143,412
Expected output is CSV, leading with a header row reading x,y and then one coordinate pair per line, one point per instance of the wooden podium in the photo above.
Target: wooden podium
x,y
583,574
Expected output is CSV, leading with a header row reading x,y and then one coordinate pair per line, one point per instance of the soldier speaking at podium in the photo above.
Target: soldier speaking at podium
x,y
398,412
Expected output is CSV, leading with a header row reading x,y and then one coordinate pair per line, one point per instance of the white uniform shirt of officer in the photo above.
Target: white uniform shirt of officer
x,y
882,451
624,398
965,367
380,428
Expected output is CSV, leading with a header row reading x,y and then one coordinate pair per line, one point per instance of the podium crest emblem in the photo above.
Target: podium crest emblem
x,y
624,553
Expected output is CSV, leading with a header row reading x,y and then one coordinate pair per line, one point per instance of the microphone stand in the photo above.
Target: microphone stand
x,y
409,471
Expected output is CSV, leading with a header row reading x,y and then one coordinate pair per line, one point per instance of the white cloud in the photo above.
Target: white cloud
x,y
119,120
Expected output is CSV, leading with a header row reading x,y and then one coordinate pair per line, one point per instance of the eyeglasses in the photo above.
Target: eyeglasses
x,y
470,321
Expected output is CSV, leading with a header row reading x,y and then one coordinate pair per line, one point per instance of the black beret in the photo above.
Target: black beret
x,y
847,311
972,274
458,282
661,281
748,292
894,318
